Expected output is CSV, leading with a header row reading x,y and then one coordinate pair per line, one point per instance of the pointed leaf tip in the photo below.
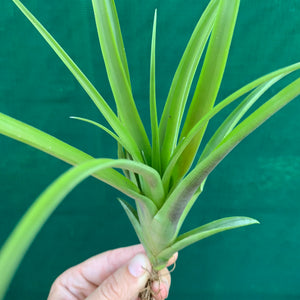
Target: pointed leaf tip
x,y
203,232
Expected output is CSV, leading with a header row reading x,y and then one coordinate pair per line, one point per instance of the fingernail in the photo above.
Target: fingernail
x,y
138,265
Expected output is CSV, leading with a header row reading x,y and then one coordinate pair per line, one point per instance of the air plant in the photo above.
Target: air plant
x,y
162,177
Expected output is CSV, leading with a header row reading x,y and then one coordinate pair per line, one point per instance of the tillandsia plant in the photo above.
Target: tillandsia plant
x,y
161,176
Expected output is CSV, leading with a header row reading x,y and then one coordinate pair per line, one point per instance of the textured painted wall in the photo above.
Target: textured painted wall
x,y
260,178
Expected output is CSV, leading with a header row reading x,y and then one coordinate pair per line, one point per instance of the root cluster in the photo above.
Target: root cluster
x,y
154,276
147,293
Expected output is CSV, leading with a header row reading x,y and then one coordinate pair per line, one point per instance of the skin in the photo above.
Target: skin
x,y
118,274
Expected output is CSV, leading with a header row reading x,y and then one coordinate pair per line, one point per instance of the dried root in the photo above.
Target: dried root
x,y
147,293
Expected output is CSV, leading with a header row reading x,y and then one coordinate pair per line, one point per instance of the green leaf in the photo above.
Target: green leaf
x,y
181,84
38,139
203,232
183,144
172,212
121,147
109,115
112,47
22,236
113,135
134,219
122,155
153,187
156,163
209,81
235,116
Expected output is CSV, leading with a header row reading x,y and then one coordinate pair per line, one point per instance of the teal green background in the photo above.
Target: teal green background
x,y
260,178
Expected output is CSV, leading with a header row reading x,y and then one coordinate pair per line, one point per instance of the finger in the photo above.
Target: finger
x,y
98,268
172,260
126,282
162,286
71,285
81,280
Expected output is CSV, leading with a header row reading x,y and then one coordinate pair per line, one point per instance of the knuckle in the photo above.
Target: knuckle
x,y
57,291
110,259
57,284
62,289
110,289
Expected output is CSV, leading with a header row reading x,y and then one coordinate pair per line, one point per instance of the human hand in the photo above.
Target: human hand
x,y
118,274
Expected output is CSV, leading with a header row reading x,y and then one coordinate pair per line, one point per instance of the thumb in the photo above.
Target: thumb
x,y
125,283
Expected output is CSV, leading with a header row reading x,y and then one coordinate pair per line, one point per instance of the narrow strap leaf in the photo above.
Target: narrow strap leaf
x,y
235,116
172,211
40,140
153,187
134,219
122,155
183,144
53,146
113,135
112,47
22,236
209,81
148,189
109,115
181,84
230,122
203,232
156,163
112,26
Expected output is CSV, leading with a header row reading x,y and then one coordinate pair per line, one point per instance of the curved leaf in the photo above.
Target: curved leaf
x,y
235,116
153,187
38,139
106,111
134,219
203,232
171,214
181,84
209,81
128,174
183,144
112,47
113,135
22,236
156,163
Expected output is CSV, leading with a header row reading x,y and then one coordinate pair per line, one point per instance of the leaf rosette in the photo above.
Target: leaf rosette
x,y
161,176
